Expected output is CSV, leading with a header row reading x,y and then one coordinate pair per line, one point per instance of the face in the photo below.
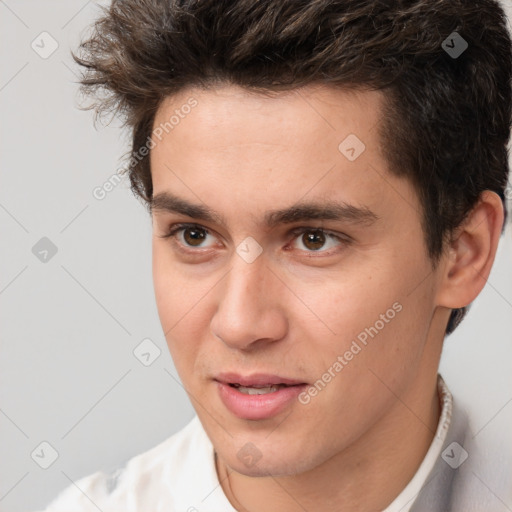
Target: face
x,y
295,257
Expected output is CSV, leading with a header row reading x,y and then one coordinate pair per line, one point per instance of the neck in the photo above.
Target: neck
x,y
368,475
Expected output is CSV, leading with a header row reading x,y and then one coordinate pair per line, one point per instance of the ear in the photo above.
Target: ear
x,y
471,253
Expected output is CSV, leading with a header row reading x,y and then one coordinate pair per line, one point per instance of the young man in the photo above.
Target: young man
x,y
326,184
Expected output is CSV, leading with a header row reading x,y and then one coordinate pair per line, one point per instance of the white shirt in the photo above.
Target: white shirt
x,y
404,501
179,475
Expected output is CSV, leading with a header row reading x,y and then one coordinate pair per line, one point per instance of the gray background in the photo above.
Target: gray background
x,y
68,375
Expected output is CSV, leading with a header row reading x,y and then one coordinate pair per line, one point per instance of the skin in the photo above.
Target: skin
x,y
294,309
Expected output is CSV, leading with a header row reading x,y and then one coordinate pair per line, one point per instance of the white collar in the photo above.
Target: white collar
x,y
404,501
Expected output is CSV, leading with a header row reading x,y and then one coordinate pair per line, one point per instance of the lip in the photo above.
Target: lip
x,y
257,407
256,379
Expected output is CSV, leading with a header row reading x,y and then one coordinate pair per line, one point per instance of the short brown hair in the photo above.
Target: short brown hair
x,y
447,119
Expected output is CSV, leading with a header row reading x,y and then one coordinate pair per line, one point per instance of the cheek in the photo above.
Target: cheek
x,y
176,298
378,344
174,290
166,283
369,314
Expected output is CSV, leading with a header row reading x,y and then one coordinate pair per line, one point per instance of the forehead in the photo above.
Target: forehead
x,y
239,151
311,112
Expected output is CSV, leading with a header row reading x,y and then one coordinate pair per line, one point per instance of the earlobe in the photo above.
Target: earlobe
x,y
471,253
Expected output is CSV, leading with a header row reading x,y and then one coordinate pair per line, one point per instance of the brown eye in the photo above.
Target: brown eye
x,y
194,236
310,240
313,240
190,236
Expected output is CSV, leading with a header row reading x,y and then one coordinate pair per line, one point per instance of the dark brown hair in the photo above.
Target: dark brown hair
x,y
447,118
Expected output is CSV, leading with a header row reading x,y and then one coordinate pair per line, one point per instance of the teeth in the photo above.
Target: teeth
x,y
259,391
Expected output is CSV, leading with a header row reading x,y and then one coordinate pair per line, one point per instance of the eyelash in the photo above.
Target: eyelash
x,y
176,228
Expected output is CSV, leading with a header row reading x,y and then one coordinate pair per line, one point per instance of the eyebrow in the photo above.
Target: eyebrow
x,y
300,212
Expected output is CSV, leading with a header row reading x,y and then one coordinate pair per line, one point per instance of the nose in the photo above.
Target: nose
x,y
250,312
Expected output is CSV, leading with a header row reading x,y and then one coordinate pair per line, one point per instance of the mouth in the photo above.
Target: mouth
x,y
264,382
257,396
258,390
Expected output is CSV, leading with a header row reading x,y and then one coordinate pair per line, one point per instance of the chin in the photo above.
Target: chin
x,y
275,460
262,469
